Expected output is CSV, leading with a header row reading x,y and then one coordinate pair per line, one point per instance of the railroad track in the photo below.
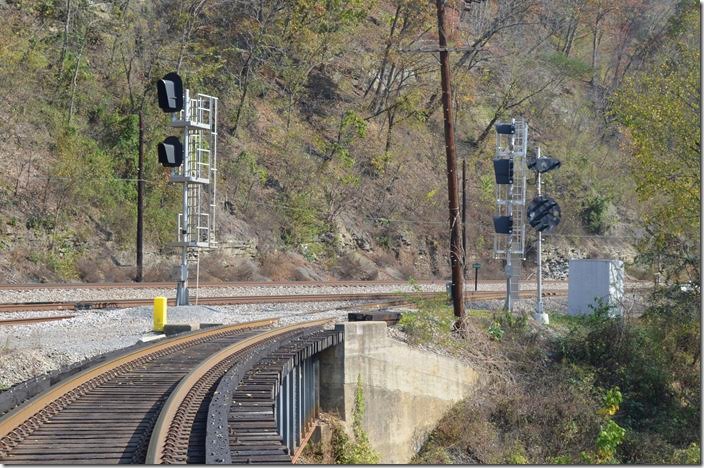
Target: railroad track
x,y
148,400
260,299
235,284
31,320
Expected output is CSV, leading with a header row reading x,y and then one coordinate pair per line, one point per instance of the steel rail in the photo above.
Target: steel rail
x,y
165,424
256,299
32,320
236,300
232,284
23,413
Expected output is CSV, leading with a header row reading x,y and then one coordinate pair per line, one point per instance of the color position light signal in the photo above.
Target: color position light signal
x,y
169,92
544,213
170,152
506,129
543,165
503,224
503,171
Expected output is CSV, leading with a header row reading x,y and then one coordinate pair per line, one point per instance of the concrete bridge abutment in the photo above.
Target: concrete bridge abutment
x,y
406,391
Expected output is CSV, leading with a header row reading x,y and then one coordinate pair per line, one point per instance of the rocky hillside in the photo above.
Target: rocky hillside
x,y
331,155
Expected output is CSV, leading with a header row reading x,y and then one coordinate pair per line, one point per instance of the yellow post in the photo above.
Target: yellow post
x,y
159,313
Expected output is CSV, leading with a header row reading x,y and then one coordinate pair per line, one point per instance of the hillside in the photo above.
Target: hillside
x,y
331,151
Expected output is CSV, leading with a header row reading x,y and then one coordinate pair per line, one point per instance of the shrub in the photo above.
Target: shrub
x,y
653,361
431,323
356,450
594,214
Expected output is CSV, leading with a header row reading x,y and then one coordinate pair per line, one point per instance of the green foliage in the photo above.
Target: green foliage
x,y
610,402
432,456
692,455
570,66
304,225
610,437
486,188
243,173
495,331
431,323
61,256
356,450
648,365
659,109
595,214
85,177
41,221
543,413
559,460
381,162
339,442
517,456
504,322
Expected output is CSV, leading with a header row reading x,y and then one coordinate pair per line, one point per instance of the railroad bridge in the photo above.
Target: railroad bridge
x,y
246,393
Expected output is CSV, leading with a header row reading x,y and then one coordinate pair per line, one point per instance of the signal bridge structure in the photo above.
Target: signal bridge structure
x,y
510,169
194,164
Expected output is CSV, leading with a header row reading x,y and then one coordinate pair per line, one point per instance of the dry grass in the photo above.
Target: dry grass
x,y
278,266
103,270
528,408
162,271
214,268
349,267
384,258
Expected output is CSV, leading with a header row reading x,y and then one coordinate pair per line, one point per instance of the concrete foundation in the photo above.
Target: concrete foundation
x,y
406,391
171,329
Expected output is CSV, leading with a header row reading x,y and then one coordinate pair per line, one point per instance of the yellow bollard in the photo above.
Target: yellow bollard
x,y
159,313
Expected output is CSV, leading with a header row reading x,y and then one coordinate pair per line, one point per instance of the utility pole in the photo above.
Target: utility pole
x,y
140,202
464,218
455,231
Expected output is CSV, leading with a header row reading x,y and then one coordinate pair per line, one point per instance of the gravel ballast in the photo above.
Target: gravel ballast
x,y
27,351
30,350
57,295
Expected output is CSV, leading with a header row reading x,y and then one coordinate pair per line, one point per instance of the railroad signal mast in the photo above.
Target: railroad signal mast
x,y
509,221
544,215
194,164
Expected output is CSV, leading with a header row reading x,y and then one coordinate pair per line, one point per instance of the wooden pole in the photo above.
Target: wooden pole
x,y
140,203
455,221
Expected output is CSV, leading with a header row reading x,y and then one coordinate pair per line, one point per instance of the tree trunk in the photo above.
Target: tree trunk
x,y
73,83
64,46
245,87
384,60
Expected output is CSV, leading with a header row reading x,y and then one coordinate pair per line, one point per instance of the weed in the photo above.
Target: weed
x,y
431,323
595,215
356,450
692,455
495,331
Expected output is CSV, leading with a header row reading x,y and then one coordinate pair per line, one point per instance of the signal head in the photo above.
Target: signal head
x,y
169,92
543,165
170,152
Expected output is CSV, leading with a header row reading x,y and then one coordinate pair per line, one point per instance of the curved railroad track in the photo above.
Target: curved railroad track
x,y
180,431
107,413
